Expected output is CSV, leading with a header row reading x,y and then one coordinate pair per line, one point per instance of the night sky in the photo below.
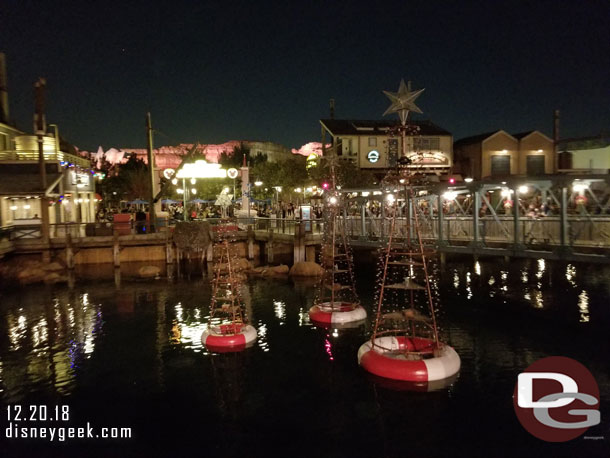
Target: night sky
x,y
227,70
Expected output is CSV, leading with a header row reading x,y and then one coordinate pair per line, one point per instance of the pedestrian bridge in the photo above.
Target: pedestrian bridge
x,y
555,217
586,238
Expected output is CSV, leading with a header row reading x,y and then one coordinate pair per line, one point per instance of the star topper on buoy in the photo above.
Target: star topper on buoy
x,y
403,101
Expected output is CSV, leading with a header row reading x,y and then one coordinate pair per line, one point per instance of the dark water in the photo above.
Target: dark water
x,y
131,356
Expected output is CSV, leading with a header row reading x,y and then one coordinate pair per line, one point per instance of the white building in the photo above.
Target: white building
x,y
585,155
377,145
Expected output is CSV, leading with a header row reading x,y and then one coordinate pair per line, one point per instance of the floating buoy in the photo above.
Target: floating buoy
x,y
411,359
229,337
336,313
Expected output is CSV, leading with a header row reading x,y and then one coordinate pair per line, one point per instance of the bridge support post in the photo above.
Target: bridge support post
x,y
564,225
250,242
363,221
69,252
517,242
117,278
299,243
71,279
441,220
209,253
310,253
116,250
169,252
270,246
476,220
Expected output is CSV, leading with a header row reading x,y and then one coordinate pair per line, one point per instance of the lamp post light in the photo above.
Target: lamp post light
x,y
278,189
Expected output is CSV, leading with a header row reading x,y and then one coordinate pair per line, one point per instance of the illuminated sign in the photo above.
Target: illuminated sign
x,y
373,156
232,173
81,180
201,169
436,158
169,173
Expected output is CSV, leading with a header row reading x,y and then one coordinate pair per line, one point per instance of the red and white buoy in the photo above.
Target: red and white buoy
x,y
405,344
228,329
410,359
229,337
337,313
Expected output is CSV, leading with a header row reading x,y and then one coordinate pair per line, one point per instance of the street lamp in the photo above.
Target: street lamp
x,y
278,189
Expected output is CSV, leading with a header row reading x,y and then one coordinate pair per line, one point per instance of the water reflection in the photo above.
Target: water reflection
x,y
329,348
456,279
541,267
583,306
304,319
49,342
262,336
571,274
538,300
147,349
280,310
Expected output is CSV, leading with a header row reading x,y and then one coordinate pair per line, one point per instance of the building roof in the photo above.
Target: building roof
x,y
482,137
582,143
521,135
475,138
378,127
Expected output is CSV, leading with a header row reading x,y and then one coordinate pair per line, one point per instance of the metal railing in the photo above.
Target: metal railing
x,y
581,230
32,156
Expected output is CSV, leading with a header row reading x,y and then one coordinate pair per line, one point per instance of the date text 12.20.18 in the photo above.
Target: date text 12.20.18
x,y
38,413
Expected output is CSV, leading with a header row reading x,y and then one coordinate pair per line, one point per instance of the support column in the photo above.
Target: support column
x,y
310,253
69,252
209,254
441,219
517,242
270,246
250,242
564,226
476,234
299,243
116,250
92,207
363,221
169,251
